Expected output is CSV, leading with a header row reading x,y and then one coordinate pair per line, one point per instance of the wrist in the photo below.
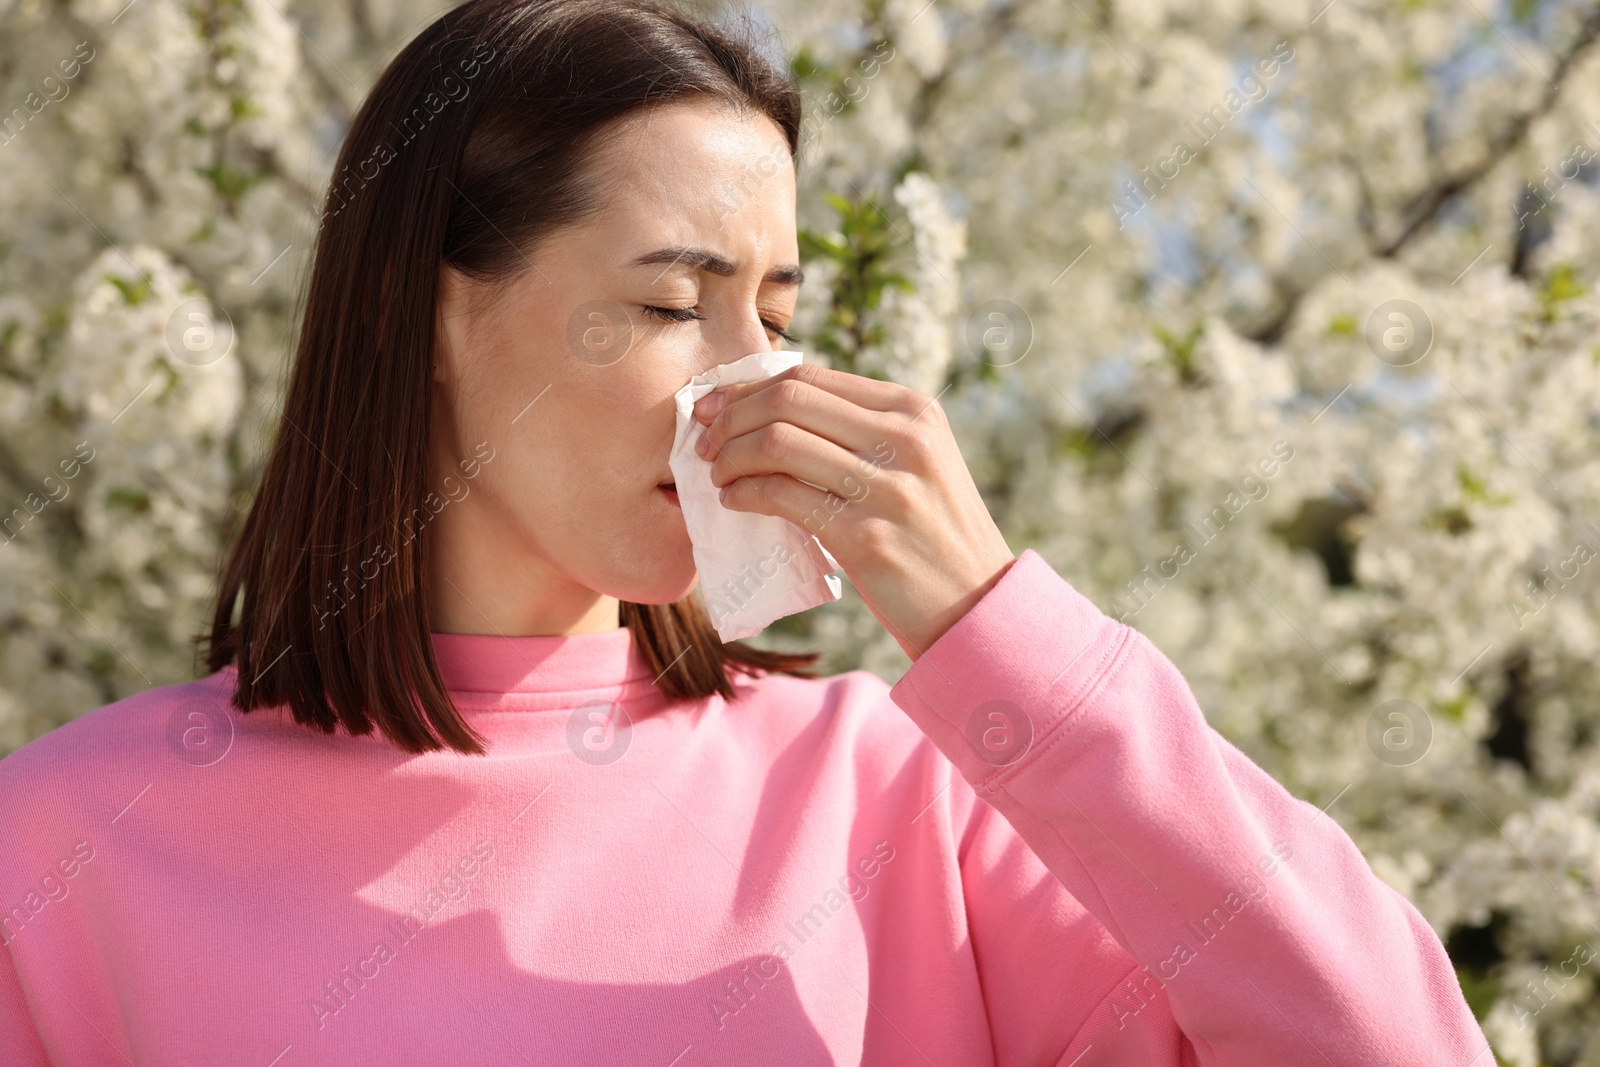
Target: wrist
x,y
942,621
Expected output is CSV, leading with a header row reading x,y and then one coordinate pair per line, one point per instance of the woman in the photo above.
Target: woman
x,y
473,779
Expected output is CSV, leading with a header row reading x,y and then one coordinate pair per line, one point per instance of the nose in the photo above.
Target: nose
x,y
739,333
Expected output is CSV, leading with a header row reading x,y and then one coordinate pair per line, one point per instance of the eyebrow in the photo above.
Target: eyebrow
x,y
700,259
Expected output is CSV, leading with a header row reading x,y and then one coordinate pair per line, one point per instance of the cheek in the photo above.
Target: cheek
x,y
599,442
574,481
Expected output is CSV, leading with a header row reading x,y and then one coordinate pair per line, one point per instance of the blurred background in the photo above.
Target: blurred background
x,y
1271,325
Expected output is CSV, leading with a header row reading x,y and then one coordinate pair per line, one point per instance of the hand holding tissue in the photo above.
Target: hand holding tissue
x,y
754,569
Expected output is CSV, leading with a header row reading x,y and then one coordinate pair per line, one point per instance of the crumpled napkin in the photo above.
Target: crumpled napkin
x,y
754,569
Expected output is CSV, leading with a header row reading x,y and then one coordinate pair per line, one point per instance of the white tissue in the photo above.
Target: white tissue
x,y
753,568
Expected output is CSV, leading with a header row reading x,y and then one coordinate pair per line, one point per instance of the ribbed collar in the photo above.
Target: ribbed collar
x,y
549,667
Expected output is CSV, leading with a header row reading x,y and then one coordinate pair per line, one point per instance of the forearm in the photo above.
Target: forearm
x,y
1258,924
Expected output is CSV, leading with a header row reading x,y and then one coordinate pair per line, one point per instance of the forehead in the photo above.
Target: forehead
x,y
696,161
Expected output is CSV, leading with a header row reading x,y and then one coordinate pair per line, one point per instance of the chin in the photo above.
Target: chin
x,y
666,578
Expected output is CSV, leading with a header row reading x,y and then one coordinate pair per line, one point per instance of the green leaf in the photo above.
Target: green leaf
x,y
804,64
864,248
1561,286
1479,989
1524,12
231,182
128,498
1476,489
1454,710
133,292
1180,351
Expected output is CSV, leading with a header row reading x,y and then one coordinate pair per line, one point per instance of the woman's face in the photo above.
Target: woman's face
x,y
569,380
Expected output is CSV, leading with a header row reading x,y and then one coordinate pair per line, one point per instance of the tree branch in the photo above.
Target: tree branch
x,y
1425,207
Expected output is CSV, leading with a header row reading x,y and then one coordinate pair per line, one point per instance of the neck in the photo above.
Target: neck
x,y
479,585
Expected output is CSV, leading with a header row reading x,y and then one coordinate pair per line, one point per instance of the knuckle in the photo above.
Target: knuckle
x,y
791,393
774,438
761,489
909,402
806,373
916,440
874,535
929,411
883,454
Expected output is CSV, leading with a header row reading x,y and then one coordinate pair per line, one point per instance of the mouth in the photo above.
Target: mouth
x,y
671,490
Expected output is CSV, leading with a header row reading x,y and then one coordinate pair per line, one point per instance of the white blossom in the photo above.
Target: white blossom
x,y
1422,543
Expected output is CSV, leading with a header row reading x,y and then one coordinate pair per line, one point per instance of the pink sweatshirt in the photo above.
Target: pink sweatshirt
x,y
1031,850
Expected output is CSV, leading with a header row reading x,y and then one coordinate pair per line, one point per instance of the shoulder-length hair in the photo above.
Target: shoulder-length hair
x,y
467,151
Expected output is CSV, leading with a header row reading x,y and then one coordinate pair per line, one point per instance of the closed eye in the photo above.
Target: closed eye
x,y
672,314
791,338
662,314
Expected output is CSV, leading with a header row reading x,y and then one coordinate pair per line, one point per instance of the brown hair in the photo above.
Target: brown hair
x,y
467,151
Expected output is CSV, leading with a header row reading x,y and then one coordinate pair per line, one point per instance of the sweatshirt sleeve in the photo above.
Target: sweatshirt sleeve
x,y
1258,935
19,1040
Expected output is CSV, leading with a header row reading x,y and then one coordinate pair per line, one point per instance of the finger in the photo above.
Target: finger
x,y
866,392
788,498
825,414
784,448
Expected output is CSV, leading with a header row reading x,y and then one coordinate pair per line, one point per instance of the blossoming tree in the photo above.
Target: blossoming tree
x,y
1271,325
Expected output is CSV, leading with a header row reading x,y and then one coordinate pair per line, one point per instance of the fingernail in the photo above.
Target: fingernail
x,y
702,444
708,405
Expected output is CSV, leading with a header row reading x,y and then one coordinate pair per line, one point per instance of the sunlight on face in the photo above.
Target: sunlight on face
x,y
569,378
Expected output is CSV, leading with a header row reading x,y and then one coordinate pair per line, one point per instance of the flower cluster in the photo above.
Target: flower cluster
x,y
1423,545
